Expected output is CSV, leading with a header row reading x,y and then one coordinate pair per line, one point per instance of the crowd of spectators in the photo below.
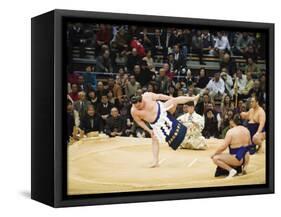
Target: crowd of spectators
x,y
130,57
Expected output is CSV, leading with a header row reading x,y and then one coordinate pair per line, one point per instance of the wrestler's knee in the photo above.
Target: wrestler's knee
x,y
215,158
257,139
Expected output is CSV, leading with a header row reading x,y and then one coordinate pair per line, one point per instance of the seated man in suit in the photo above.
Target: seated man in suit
x,y
82,104
195,123
104,108
92,121
115,124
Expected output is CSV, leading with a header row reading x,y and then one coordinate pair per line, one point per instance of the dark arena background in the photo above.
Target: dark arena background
x,y
108,64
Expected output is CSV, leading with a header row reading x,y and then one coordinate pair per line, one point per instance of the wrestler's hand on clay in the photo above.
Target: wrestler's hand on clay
x,y
155,162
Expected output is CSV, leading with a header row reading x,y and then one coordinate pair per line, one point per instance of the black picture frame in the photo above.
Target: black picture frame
x,y
48,163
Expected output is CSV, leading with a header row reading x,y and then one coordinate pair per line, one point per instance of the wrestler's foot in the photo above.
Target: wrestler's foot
x,y
154,164
196,98
232,173
259,149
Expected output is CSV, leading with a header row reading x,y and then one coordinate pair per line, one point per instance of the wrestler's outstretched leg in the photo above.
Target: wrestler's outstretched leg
x,y
171,104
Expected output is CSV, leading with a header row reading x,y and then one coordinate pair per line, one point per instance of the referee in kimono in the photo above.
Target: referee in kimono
x,y
195,123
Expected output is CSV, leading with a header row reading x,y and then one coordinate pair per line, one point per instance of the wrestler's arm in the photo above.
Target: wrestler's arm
x,y
227,141
244,115
141,123
261,121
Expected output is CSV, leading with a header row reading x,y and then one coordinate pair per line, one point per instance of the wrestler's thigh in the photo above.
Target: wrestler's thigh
x,y
229,159
170,105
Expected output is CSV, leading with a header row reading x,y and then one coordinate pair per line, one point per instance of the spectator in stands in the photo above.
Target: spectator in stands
x,y
226,105
90,78
197,46
216,86
162,81
242,44
149,61
121,58
227,81
171,91
178,86
244,93
81,104
133,59
168,72
76,35
202,80
157,42
150,88
121,39
200,106
80,83
238,109
100,90
227,116
253,68
132,86
104,63
187,34
73,95
111,99
262,79
183,42
104,108
72,118
241,80
136,43
114,88
211,125
104,35
207,42
71,79
228,63
221,44
251,53
257,91
190,91
93,99
178,59
189,79
124,107
145,40
133,31
92,121
143,74
115,124
121,78
169,40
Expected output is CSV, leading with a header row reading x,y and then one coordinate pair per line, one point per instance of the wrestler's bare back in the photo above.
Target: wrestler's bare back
x,y
149,112
238,136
